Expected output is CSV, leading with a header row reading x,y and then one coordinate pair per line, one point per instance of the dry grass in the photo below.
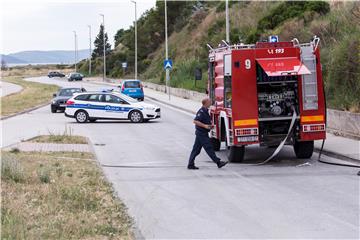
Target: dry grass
x,y
66,137
32,95
59,196
33,71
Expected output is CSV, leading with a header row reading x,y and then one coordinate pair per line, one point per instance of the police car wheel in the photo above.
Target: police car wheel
x,y
81,116
136,116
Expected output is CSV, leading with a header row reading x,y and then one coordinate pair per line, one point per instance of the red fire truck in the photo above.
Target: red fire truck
x,y
266,93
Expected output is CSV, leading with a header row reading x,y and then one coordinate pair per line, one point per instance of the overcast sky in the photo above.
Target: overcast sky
x,y
49,24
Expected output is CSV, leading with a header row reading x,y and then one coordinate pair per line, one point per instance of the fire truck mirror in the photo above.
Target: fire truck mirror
x,y
198,74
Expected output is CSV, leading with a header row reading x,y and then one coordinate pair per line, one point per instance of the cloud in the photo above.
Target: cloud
x,y
49,25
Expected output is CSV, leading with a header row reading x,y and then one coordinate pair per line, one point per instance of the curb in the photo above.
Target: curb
x,y
135,228
25,111
325,152
171,105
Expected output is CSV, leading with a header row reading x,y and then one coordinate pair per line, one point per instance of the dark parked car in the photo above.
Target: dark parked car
x,y
75,77
60,98
55,74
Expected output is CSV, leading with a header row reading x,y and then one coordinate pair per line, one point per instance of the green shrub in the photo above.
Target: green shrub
x,y
11,169
216,28
44,174
343,74
182,75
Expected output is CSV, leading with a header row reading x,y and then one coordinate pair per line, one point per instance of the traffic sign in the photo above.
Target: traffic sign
x,y
273,38
168,64
124,64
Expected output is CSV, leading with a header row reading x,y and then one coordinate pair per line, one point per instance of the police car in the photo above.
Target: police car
x,y
91,106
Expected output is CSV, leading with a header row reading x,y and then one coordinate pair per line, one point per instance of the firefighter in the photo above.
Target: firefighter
x,y
203,125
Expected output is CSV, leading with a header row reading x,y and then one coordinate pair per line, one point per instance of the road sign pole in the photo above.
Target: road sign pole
x,y
167,52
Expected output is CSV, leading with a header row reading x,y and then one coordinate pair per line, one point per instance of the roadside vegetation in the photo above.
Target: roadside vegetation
x,y
33,94
35,70
66,137
59,196
201,22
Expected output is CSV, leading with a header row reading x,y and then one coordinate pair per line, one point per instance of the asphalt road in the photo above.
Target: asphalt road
x,y
146,164
9,88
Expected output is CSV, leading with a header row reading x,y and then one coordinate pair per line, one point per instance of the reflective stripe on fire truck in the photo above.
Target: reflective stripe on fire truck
x,y
316,118
314,127
245,122
282,66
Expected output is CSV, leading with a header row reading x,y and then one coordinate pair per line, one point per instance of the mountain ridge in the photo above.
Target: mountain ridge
x,y
44,56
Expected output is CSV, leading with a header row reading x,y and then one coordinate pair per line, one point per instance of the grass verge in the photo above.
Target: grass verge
x,y
59,196
32,95
66,139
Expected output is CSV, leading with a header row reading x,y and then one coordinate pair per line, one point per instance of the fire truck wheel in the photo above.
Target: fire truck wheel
x,y
236,153
304,149
216,144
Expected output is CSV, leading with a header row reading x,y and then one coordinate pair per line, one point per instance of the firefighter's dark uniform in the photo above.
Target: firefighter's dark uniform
x,y
202,138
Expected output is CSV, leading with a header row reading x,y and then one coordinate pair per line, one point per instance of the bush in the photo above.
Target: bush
x,y
44,174
182,76
343,74
11,169
216,28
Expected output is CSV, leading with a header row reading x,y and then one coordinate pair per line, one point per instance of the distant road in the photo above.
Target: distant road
x,y
9,88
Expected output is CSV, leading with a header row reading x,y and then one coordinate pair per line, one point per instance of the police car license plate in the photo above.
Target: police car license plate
x,y
62,105
132,90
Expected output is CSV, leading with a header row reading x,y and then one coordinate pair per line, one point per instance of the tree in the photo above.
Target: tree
x,y
99,44
119,34
3,64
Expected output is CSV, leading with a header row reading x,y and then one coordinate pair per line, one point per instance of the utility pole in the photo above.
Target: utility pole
x,y
227,21
89,49
136,67
75,50
167,52
103,23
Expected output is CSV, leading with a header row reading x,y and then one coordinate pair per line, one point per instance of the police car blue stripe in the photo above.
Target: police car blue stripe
x,y
100,107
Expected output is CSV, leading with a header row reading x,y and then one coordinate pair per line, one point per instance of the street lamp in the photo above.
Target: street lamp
x,y
227,21
135,39
89,49
75,49
103,23
166,52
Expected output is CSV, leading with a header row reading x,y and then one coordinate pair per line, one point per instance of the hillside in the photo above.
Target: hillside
x,y
204,22
56,56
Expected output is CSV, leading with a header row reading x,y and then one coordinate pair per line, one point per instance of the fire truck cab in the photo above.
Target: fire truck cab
x,y
257,90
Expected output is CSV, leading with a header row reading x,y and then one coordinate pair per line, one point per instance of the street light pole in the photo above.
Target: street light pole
x,y
227,21
136,67
167,52
75,50
89,49
104,74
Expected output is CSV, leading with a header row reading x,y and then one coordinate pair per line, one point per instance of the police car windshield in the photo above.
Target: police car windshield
x,y
69,91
